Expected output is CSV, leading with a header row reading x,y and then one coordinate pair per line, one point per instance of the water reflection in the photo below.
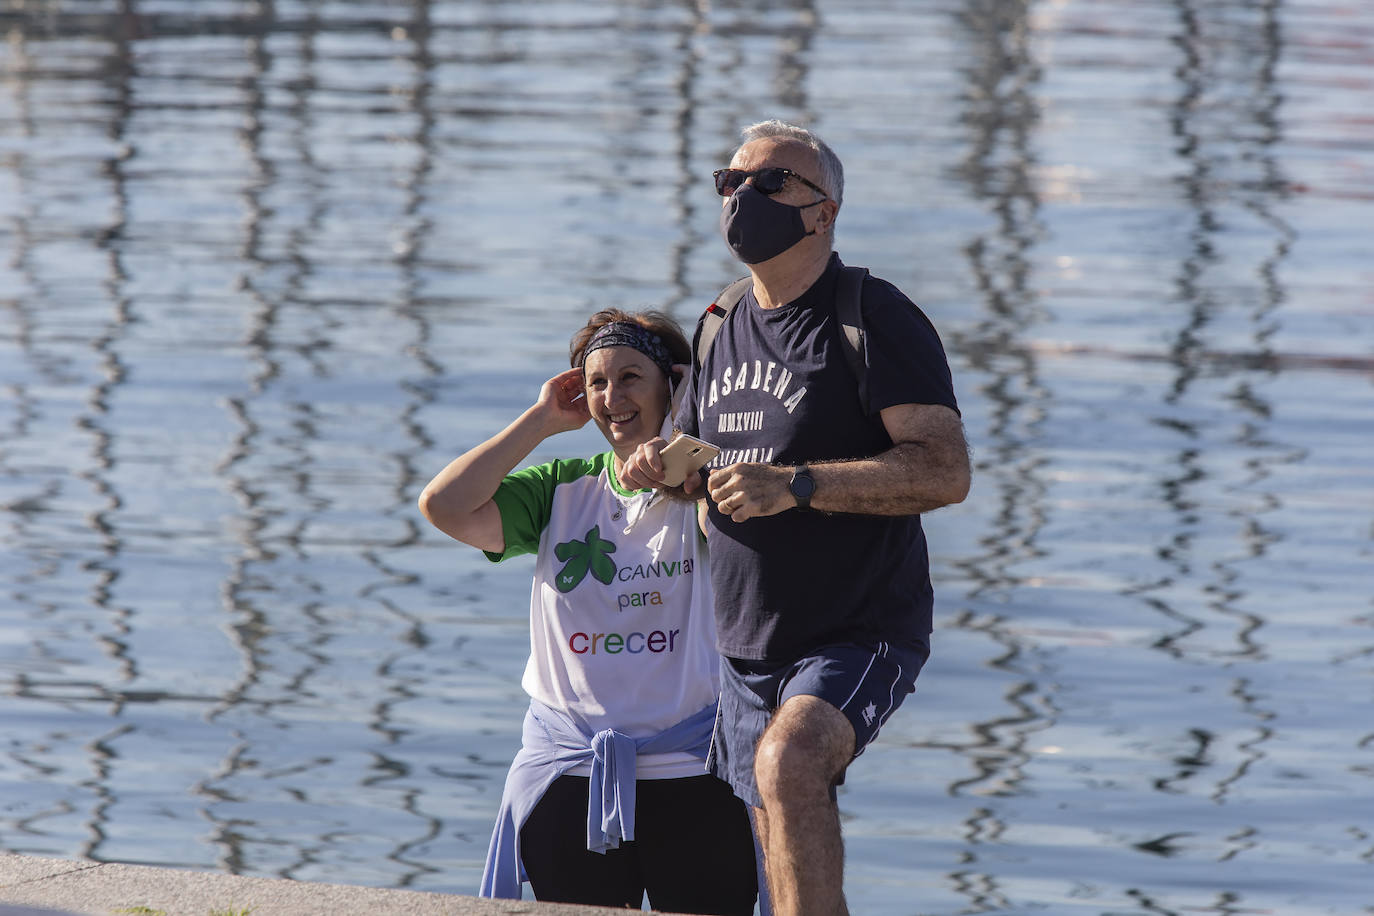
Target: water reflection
x,y
123,619
1226,121
271,264
1001,115
292,335
68,531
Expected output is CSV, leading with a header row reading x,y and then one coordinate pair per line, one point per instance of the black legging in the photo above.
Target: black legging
x,y
693,850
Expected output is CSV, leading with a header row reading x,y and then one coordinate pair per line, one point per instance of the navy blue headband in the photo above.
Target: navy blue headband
x,y
629,334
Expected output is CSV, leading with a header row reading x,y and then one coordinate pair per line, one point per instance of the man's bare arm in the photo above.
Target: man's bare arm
x,y
927,467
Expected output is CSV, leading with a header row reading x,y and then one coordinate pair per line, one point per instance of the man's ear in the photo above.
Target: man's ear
x,y
829,210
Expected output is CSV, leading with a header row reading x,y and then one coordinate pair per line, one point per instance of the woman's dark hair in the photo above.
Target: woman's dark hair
x,y
666,328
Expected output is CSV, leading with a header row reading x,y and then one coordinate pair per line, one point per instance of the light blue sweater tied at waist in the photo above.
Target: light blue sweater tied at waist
x,y
553,744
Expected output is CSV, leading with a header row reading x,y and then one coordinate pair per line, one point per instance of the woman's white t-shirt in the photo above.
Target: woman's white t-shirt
x,y
622,627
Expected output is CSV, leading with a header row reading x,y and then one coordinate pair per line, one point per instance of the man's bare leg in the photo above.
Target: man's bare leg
x,y
807,745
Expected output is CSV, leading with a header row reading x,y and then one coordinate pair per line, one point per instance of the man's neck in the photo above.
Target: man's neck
x,y
777,284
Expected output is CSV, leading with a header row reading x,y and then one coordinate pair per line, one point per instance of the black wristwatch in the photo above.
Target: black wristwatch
x,y
803,486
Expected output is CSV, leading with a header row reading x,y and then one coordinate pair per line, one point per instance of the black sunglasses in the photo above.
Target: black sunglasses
x,y
766,181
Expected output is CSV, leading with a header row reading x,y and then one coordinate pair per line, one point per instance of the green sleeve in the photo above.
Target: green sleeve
x,y
525,499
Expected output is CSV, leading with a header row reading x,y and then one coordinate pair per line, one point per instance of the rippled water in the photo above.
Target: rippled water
x,y
268,265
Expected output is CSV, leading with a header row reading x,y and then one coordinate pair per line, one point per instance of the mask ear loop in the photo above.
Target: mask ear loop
x,y
666,429
635,510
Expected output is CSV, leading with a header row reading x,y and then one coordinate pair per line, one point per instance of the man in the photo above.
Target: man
x,y
823,596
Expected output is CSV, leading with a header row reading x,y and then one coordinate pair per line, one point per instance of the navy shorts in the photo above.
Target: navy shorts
x,y
865,682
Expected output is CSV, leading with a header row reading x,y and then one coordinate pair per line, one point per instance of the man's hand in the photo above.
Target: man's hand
x,y
644,470
750,490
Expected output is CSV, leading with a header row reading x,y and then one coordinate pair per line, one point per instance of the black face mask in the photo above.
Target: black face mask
x,y
757,227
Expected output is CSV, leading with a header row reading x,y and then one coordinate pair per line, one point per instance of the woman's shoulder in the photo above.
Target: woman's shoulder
x,y
565,470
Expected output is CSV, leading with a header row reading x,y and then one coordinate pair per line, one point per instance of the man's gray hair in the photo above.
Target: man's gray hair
x,y
832,172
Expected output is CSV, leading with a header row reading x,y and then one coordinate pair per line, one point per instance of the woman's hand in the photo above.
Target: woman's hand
x,y
643,470
563,402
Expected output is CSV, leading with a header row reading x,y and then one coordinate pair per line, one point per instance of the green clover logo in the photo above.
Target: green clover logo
x,y
579,558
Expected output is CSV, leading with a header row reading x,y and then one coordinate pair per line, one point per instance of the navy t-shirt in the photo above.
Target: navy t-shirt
x,y
775,388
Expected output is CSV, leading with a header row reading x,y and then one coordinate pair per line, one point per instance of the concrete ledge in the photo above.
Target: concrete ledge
x,y
31,886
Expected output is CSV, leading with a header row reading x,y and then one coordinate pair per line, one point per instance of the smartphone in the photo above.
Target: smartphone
x,y
684,455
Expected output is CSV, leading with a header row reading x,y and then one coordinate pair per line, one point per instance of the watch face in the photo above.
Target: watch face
x,y
803,487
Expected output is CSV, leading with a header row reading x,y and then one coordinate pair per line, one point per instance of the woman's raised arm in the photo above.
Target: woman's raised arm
x,y
458,501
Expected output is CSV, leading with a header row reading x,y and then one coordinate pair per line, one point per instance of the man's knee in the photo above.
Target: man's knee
x,y
804,750
779,768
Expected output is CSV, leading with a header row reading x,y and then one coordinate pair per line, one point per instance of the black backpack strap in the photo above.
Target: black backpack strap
x,y
848,311
715,314
849,314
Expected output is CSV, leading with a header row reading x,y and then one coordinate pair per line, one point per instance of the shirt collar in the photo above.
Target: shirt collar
x,y
822,292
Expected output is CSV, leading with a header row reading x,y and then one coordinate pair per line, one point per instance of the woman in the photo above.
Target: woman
x,y
622,674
